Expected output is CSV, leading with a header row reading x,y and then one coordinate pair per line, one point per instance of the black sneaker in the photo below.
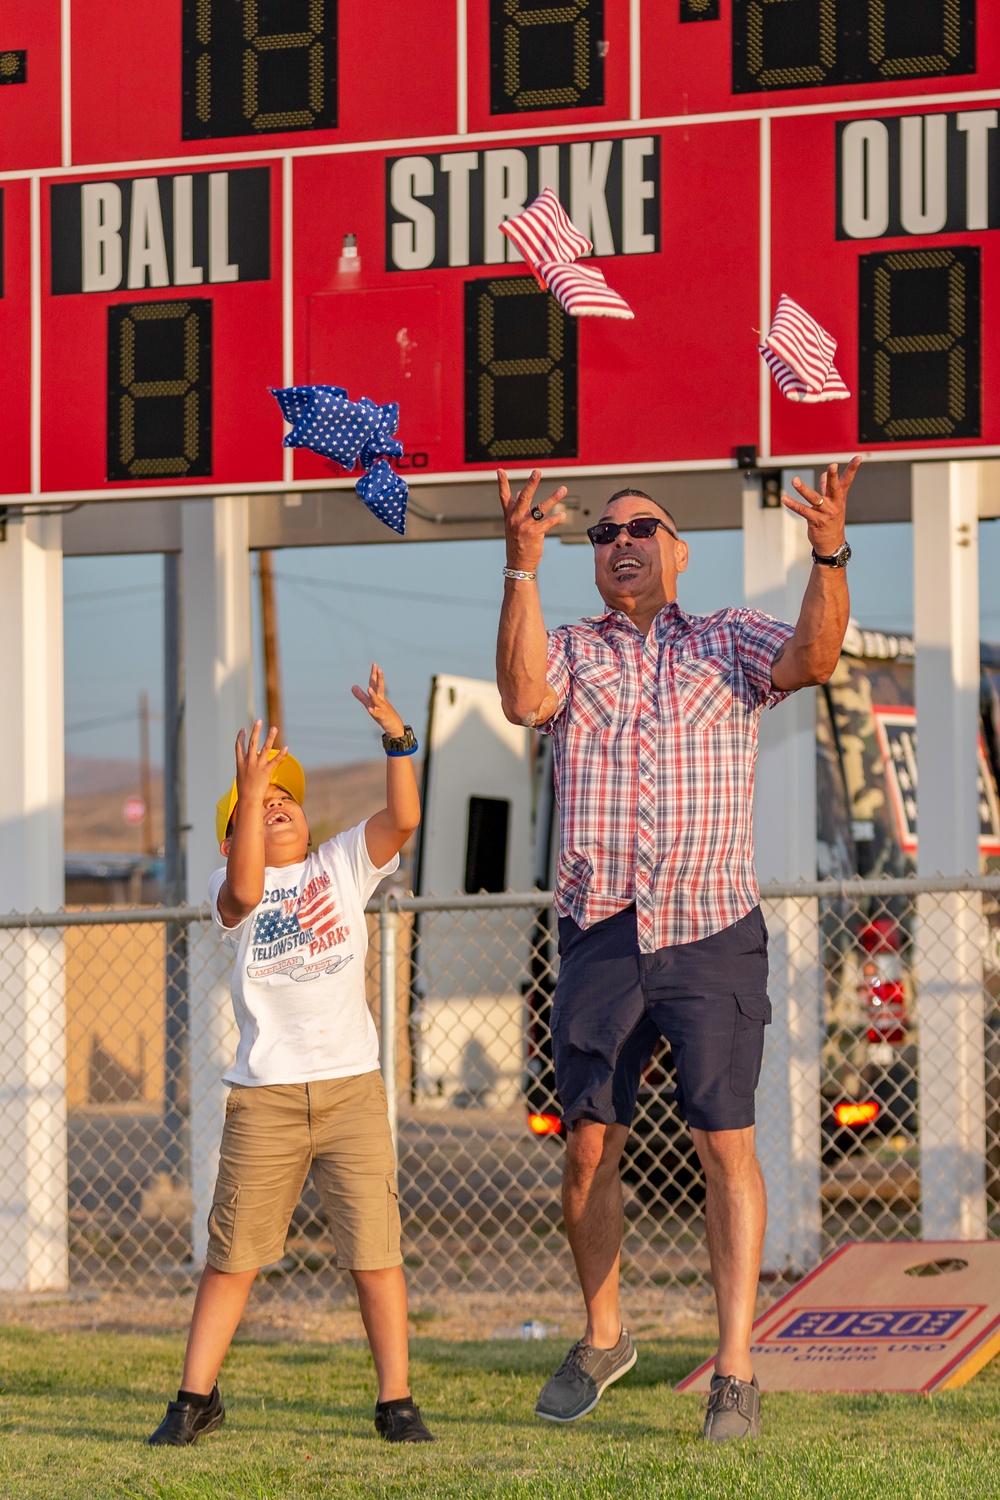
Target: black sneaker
x,y
185,1423
400,1422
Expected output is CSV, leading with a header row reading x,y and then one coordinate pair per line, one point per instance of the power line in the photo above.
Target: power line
x,y
413,595
137,588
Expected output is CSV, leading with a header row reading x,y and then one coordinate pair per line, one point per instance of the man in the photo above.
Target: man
x,y
654,715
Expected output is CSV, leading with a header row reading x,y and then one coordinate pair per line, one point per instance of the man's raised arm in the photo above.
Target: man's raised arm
x,y
522,644
813,651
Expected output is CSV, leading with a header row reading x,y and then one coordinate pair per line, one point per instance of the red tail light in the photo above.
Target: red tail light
x,y
856,1114
545,1124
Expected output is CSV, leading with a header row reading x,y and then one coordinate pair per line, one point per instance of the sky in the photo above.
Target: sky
x,y
417,610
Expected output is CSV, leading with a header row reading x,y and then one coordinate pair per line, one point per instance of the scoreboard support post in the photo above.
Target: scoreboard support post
x,y
949,958
216,624
776,564
33,1172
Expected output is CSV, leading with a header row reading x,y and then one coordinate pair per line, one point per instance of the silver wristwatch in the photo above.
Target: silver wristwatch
x,y
838,559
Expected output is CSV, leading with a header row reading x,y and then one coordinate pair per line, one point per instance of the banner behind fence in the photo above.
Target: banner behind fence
x,y
878,1108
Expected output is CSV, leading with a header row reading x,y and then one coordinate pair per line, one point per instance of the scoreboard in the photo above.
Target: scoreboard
x,y
179,181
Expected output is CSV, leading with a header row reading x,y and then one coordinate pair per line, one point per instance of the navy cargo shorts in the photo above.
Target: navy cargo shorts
x,y
613,1003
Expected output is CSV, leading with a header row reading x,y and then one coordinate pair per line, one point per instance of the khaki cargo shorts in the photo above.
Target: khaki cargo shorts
x,y
273,1135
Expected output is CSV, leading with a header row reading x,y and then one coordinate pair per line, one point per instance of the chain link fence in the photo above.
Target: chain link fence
x,y
878,1109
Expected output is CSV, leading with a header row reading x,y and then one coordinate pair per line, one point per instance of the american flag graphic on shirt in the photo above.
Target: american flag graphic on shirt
x,y
318,911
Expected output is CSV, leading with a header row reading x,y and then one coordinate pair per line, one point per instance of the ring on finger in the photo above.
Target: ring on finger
x,y
537,514
819,502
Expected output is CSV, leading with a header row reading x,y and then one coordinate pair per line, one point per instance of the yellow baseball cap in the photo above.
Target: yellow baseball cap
x,y
289,776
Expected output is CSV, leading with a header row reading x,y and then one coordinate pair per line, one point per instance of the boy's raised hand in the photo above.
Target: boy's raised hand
x,y
378,704
253,767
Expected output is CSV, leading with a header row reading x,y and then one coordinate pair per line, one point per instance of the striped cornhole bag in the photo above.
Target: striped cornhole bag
x,y
799,353
583,292
544,232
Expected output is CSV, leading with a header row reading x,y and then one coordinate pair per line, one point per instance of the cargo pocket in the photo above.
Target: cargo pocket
x,y
222,1220
704,690
753,1013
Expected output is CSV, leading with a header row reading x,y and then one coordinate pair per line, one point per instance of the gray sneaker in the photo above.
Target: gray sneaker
x,y
582,1378
732,1409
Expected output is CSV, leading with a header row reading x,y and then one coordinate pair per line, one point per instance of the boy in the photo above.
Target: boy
x,y
305,1087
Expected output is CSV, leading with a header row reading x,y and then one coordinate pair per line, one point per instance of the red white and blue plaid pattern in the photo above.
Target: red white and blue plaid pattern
x,y
655,742
799,353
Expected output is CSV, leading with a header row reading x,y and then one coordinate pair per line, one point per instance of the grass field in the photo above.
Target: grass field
x,y
77,1407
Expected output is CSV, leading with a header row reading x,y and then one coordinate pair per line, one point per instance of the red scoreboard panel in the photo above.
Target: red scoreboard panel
x,y
177,181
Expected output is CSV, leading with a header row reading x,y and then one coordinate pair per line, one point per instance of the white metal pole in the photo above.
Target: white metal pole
x,y
776,566
34,1254
215,611
388,979
949,974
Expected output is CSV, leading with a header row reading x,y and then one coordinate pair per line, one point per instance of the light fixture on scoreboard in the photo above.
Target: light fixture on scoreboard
x,y
546,56
243,76
818,43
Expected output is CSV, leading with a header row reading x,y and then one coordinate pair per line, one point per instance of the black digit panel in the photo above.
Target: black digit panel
x,y
794,44
918,342
160,389
13,67
699,10
545,55
520,372
254,66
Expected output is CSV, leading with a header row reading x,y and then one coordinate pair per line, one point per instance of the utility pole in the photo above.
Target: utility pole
x,y
272,662
145,776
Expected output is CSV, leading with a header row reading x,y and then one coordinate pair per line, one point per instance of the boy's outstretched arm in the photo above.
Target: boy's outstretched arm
x,y
243,886
387,831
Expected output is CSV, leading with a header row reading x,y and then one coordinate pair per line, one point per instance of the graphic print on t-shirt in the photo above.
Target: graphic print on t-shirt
x,y
295,933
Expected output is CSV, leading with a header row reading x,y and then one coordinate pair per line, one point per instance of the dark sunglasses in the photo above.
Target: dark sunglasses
x,y
640,527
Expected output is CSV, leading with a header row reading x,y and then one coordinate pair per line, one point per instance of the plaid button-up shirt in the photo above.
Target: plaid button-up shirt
x,y
655,742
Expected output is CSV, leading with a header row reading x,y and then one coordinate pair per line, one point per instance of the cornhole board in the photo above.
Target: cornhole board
x,y
902,1317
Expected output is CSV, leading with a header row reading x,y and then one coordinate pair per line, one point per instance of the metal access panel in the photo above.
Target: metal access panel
x,y
898,1317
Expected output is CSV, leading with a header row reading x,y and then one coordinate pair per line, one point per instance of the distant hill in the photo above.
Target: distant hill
x,y
337,797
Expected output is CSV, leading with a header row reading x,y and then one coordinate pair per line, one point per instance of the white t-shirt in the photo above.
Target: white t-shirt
x,y
299,977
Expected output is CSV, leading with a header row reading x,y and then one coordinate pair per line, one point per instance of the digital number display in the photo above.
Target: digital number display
x,y
919,366
699,10
794,44
160,389
254,66
545,55
520,372
13,67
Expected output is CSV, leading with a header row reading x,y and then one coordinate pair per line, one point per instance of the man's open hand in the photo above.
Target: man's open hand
x,y
824,510
525,534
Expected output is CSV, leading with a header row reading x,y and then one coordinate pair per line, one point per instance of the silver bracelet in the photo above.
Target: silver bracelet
x,y
518,573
